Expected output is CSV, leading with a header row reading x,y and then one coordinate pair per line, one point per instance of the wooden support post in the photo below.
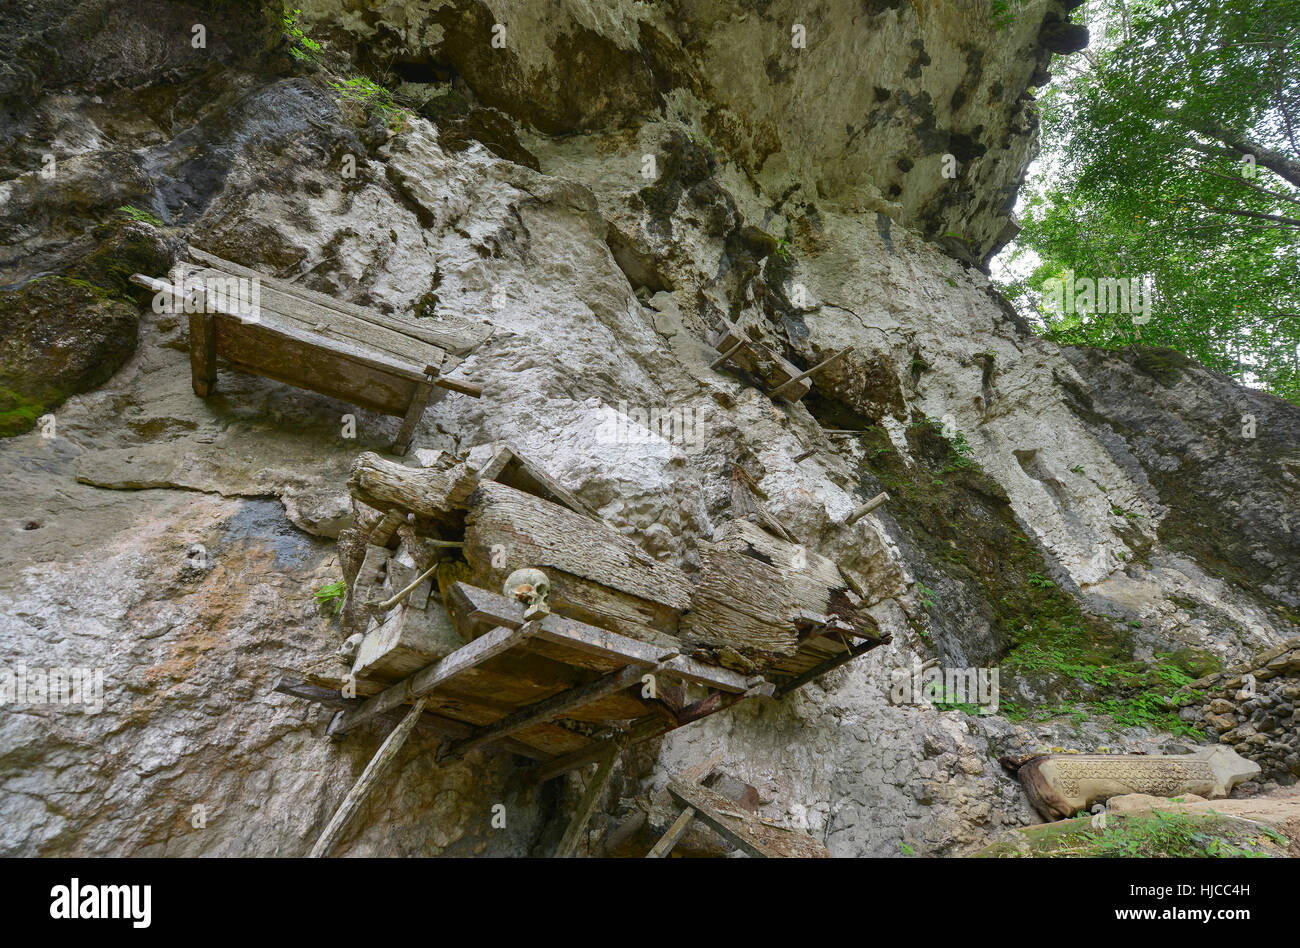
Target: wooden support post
x,y
415,410
789,383
376,769
717,363
203,331
872,504
203,353
669,839
424,681
569,842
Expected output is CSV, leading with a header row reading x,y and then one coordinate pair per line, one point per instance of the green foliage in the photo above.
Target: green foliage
x,y
134,213
301,46
365,90
1160,834
333,594
1171,151
1039,580
1001,14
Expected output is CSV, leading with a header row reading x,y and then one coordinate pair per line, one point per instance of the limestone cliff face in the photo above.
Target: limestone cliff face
x,y
799,192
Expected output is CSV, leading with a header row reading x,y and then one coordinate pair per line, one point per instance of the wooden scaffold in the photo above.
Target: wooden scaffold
x,y
492,607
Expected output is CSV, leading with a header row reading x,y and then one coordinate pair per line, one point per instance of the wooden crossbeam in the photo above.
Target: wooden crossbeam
x,y
878,501
789,383
501,639
549,708
483,605
642,729
718,362
415,411
818,670
429,722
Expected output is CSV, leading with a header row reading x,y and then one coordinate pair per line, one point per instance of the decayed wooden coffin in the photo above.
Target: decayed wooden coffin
x,y
762,603
597,575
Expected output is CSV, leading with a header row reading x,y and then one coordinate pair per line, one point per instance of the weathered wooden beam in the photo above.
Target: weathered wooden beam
x,y
780,389
277,306
511,468
483,605
429,722
203,334
553,707
415,411
675,832
878,501
428,492
623,832
459,341
643,729
472,389
731,351
369,778
743,830
818,670
500,639
538,533
604,770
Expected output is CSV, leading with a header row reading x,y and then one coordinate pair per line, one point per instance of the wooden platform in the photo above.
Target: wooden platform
x,y
598,666
751,834
309,340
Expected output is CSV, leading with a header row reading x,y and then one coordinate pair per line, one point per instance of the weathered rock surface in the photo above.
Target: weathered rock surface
x,y
176,543
1251,707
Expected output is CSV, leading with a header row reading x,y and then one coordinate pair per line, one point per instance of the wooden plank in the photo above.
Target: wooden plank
x,y
721,360
818,670
460,340
511,468
414,412
604,770
331,324
668,840
422,682
781,389
538,533
477,604
430,722
550,708
644,729
753,588
367,782
263,349
741,828
760,360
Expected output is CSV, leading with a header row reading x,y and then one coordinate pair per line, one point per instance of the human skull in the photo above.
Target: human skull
x,y
529,586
